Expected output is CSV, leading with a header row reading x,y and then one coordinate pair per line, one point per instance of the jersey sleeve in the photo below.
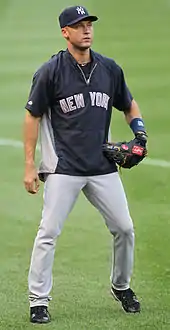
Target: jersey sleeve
x,y
122,97
39,97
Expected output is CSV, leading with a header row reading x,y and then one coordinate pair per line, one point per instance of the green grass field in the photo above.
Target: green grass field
x,y
137,35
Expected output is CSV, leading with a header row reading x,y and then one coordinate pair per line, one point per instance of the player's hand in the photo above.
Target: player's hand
x,y
141,138
31,179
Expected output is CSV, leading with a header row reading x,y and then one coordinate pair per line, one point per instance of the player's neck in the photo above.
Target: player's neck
x,y
81,56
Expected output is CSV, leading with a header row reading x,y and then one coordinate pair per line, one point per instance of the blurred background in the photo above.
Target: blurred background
x,y
136,34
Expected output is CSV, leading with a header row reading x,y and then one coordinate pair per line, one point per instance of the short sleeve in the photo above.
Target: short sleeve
x,y
39,97
122,97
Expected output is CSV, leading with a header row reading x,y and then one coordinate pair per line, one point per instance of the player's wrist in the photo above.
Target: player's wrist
x,y
137,125
138,128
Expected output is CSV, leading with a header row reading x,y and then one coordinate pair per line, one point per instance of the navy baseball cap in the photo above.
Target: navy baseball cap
x,y
73,15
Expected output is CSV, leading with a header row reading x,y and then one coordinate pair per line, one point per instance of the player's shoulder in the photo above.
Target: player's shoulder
x,y
108,62
54,59
50,66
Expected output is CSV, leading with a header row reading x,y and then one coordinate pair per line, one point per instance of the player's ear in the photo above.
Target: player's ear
x,y
64,32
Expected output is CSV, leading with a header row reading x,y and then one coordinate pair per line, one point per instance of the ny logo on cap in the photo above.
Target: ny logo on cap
x,y
80,10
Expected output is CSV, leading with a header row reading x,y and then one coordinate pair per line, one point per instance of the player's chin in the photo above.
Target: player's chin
x,y
85,45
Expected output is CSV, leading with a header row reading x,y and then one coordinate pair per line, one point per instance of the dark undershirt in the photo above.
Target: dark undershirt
x,y
86,69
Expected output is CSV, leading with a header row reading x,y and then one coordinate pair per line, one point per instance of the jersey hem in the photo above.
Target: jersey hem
x,y
72,173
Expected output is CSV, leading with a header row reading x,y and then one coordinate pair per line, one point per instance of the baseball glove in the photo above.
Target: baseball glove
x,y
127,154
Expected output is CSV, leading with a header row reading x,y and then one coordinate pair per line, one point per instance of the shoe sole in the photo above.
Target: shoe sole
x,y
115,298
40,322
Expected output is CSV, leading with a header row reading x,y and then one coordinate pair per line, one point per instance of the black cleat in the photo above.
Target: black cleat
x,y
39,314
128,299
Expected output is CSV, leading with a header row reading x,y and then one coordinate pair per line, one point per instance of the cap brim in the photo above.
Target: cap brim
x,y
84,18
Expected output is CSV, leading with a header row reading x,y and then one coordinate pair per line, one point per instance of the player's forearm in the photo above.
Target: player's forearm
x,y
134,118
133,112
31,126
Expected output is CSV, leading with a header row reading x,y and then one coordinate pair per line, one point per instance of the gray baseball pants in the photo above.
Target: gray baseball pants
x,y
106,193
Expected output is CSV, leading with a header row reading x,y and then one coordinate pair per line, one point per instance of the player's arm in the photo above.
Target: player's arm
x,y
134,118
124,102
132,112
31,127
37,105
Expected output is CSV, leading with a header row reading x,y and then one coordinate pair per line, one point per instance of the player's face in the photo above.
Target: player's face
x,y
80,35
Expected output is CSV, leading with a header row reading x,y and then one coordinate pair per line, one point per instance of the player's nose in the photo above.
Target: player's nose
x,y
87,29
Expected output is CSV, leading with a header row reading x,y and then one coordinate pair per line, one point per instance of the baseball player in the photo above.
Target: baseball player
x,y
70,105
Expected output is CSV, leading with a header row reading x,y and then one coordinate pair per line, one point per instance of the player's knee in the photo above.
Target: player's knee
x,y
49,233
126,230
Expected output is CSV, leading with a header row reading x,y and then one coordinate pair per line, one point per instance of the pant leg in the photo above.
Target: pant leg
x,y
107,194
60,194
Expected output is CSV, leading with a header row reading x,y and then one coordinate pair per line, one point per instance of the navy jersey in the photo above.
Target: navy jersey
x,y
75,105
